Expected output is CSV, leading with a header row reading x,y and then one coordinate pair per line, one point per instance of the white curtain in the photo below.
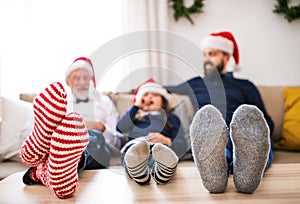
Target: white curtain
x,y
40,39
148,15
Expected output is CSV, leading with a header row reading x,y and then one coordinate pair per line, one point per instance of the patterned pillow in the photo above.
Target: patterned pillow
x,y
182,112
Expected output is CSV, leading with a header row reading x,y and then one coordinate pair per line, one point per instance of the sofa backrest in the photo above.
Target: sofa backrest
x,y
124,101
274,103
271,95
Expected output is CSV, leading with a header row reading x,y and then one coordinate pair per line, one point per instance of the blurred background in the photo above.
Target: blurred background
x,y
39,39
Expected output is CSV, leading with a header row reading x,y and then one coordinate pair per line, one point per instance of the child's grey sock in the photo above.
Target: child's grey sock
x,y
136,160
165,163
209,136
250,136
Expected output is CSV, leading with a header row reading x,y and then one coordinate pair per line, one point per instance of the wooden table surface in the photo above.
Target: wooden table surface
x,y
281,184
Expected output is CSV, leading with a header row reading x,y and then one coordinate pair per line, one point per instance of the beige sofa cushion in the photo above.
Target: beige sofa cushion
x,y
271,95
1,101
124,101
274,103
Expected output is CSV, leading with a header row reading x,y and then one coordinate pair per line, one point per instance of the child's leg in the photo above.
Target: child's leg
x,y
59,172
49,110
136,162
251,144
209,136
165,163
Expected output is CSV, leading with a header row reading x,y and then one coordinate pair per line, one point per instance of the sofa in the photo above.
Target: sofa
x,y
20,112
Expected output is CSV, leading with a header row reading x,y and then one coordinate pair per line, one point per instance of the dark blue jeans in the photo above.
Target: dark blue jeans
x,y
97,154
229,156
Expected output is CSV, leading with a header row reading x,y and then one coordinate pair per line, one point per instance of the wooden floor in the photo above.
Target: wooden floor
x,y
281,184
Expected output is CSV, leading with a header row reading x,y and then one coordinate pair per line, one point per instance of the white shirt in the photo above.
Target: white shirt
x,y
100,109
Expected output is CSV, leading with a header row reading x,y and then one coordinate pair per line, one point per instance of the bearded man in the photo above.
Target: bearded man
x,y
231,130
99,114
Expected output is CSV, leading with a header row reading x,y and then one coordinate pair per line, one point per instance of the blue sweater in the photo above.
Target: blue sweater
x,y
227,94
152,123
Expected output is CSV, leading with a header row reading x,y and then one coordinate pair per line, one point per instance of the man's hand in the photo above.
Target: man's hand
x,y
93,125
101,126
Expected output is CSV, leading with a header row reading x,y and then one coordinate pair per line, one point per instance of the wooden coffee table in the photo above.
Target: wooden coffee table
x,y
281,184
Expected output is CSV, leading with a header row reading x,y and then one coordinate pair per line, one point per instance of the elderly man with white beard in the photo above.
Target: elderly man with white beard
x,y
98,111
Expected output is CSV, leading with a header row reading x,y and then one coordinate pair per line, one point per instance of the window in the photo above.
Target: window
x,y
40,39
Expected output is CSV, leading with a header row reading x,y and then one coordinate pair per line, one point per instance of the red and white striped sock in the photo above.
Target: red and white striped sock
x,y
49,110
59,172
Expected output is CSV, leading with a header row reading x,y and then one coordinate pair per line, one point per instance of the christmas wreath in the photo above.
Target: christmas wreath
x,y
181,10
291,13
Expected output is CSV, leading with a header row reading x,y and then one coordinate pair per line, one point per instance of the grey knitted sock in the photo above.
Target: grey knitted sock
x,y
136,159
164,155
165,163
209,136
250,136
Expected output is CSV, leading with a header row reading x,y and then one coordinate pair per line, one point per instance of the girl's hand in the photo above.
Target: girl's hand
x,y
155,137
139,103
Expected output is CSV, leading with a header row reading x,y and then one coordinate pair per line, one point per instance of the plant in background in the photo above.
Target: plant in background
x,y
291,13
181,10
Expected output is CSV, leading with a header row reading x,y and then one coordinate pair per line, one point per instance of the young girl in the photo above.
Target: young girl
x,y
151,128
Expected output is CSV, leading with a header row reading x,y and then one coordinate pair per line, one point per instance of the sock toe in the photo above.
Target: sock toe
x,y
49,110
59,171
164,155
136,160
137,153
251,144
209,135
165,163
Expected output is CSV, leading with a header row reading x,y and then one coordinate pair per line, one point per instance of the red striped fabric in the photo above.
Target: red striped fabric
x,y
49,110
59,173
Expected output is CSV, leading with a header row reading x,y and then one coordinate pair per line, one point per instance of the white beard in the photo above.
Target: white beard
x,y
81,95
85,94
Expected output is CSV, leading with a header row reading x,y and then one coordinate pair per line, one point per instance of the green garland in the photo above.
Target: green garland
x,y
291,13
181,10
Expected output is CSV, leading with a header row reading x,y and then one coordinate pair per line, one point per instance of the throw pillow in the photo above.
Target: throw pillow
x,y
182,112
17,122
290,133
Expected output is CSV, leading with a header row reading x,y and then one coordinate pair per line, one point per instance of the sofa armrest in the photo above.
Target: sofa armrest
x,y
28,97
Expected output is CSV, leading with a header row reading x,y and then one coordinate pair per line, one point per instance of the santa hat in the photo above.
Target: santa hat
x,y
151,87
135,91
82,63
222,41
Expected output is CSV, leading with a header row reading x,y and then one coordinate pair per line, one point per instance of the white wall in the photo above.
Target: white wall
x,y
269,45
39,39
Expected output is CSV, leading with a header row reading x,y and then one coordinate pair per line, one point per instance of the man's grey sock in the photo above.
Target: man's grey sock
x,y
165,163
250,136
136,159
209,136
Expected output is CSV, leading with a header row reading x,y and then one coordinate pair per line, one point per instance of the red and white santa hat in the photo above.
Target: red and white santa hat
x,y
150,87
82,63
222,41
